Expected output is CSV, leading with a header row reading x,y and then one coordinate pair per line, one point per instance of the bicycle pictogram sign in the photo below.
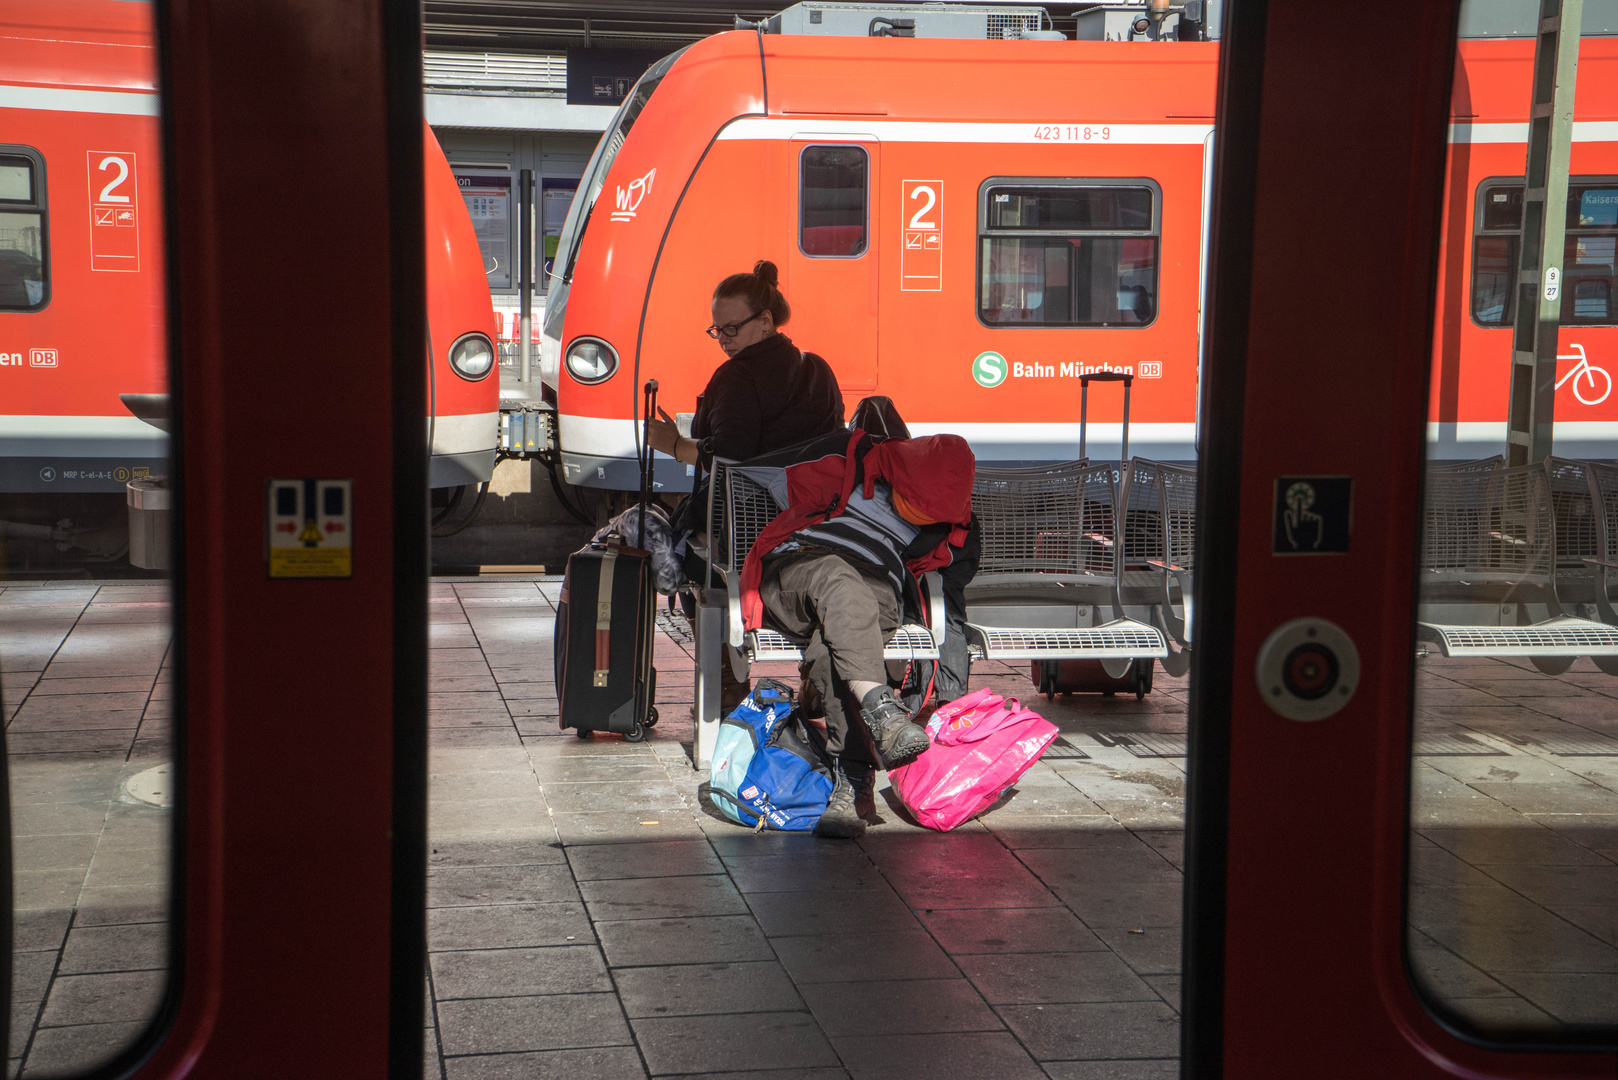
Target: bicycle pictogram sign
x,y
1587,378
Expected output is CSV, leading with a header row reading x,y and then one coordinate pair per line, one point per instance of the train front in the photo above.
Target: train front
x,y
463,390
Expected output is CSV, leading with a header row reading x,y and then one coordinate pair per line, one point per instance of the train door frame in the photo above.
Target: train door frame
x,y
1296,842
298,924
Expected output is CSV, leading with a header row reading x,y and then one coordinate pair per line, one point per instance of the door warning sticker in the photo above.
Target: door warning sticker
x,y
309,525
114,211
921,256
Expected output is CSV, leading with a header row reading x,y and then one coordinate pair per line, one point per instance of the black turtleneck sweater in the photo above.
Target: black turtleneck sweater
x,y
768,396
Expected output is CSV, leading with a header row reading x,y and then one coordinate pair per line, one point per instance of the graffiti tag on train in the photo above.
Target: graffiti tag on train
x,y
629,199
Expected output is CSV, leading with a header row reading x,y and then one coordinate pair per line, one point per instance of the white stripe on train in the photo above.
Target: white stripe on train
x,y
57,99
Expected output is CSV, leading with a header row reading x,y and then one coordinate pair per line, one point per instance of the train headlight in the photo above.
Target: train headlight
x,y
591,360
472,357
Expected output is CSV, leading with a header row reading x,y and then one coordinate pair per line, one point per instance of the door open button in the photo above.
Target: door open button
x,y
1308,669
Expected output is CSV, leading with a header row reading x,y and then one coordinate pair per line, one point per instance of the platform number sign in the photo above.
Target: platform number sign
x,y
114,211
309,527
921,257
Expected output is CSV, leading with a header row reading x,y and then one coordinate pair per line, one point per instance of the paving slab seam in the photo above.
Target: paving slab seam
x,y
56,651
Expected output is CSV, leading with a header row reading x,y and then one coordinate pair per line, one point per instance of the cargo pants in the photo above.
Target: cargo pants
x,y
843,618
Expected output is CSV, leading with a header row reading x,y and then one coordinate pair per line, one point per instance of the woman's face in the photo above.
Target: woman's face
x,y
730,310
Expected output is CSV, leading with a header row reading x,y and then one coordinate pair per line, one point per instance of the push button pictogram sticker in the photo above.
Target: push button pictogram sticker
x,y
310,528
1313,515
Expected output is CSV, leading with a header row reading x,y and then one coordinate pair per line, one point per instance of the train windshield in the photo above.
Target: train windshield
x,y
595,178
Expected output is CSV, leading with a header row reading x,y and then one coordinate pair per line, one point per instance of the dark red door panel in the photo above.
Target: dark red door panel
x,y
1332,156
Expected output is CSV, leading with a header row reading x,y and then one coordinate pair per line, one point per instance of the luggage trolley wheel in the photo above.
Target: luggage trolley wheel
x,y
583,733
636,733
651,717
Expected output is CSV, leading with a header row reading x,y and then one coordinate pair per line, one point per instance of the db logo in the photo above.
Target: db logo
x,y
1151,369
629,199
41,357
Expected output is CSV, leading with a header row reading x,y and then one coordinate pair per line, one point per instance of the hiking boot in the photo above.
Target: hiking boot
x,y
862,778
840,821
898,741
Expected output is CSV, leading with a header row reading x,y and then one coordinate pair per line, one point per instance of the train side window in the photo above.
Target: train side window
x,y
24,266
834,188
1589,260
1059,252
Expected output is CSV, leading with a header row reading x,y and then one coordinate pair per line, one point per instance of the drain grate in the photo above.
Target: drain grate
x,y
1453,744
1061,748
1143,744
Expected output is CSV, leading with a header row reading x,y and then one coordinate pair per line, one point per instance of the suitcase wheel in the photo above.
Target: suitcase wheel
x,y
636,733
583,733
651,717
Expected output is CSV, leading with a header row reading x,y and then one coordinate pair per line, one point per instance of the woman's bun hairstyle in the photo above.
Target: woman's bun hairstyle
x,y
761,289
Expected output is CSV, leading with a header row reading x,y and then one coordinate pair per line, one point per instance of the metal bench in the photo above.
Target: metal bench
x,y
1160,531
1047,586
739,507
1493,565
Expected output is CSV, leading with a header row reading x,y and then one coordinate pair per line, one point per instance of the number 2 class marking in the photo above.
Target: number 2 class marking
x,y
921,253
113,162
917,220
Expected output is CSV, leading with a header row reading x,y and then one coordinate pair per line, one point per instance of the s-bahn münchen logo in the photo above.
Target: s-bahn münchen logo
x,y
989,369
629,198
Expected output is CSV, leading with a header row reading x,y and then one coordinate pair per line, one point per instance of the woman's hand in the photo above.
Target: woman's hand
x,y
662,436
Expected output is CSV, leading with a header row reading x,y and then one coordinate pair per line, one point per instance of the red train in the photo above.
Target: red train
x,y
82,303
972,234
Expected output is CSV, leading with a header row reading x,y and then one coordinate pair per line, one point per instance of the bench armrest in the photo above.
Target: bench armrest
x,y
937,616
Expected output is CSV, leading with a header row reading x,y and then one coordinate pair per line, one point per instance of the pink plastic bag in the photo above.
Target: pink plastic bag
x,y
952,782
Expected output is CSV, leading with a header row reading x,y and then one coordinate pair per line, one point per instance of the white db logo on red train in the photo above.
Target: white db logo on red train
x,y
1150,369
41,357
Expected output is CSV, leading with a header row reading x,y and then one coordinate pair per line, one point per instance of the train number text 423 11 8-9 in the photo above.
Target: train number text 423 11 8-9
x,y
1071,133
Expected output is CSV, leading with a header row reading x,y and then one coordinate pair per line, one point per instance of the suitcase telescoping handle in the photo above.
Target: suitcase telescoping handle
x,y
645,462
1084,406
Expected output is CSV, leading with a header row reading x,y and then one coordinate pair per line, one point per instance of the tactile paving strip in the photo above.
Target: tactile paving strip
x,y
677,627
1453,744
1563,744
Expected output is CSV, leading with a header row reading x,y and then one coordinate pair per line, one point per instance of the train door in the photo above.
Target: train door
x,y
833,273
1371,891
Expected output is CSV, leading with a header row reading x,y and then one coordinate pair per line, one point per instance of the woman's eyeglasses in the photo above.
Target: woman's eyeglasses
x,y
732,329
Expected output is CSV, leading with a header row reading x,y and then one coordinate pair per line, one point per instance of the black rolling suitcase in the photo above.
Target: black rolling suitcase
x,y
605,625
1054,677
1090,677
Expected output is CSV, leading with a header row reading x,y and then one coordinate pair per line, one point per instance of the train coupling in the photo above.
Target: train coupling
x,y
527,430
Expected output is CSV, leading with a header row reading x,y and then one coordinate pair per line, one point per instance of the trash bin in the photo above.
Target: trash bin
x,y
150,512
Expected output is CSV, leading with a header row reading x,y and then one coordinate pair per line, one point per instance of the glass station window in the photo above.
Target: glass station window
x,y
1590,255
24,271
1068,253
488,201
834,184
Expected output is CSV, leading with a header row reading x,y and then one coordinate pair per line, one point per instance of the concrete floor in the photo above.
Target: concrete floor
x,y
590,918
